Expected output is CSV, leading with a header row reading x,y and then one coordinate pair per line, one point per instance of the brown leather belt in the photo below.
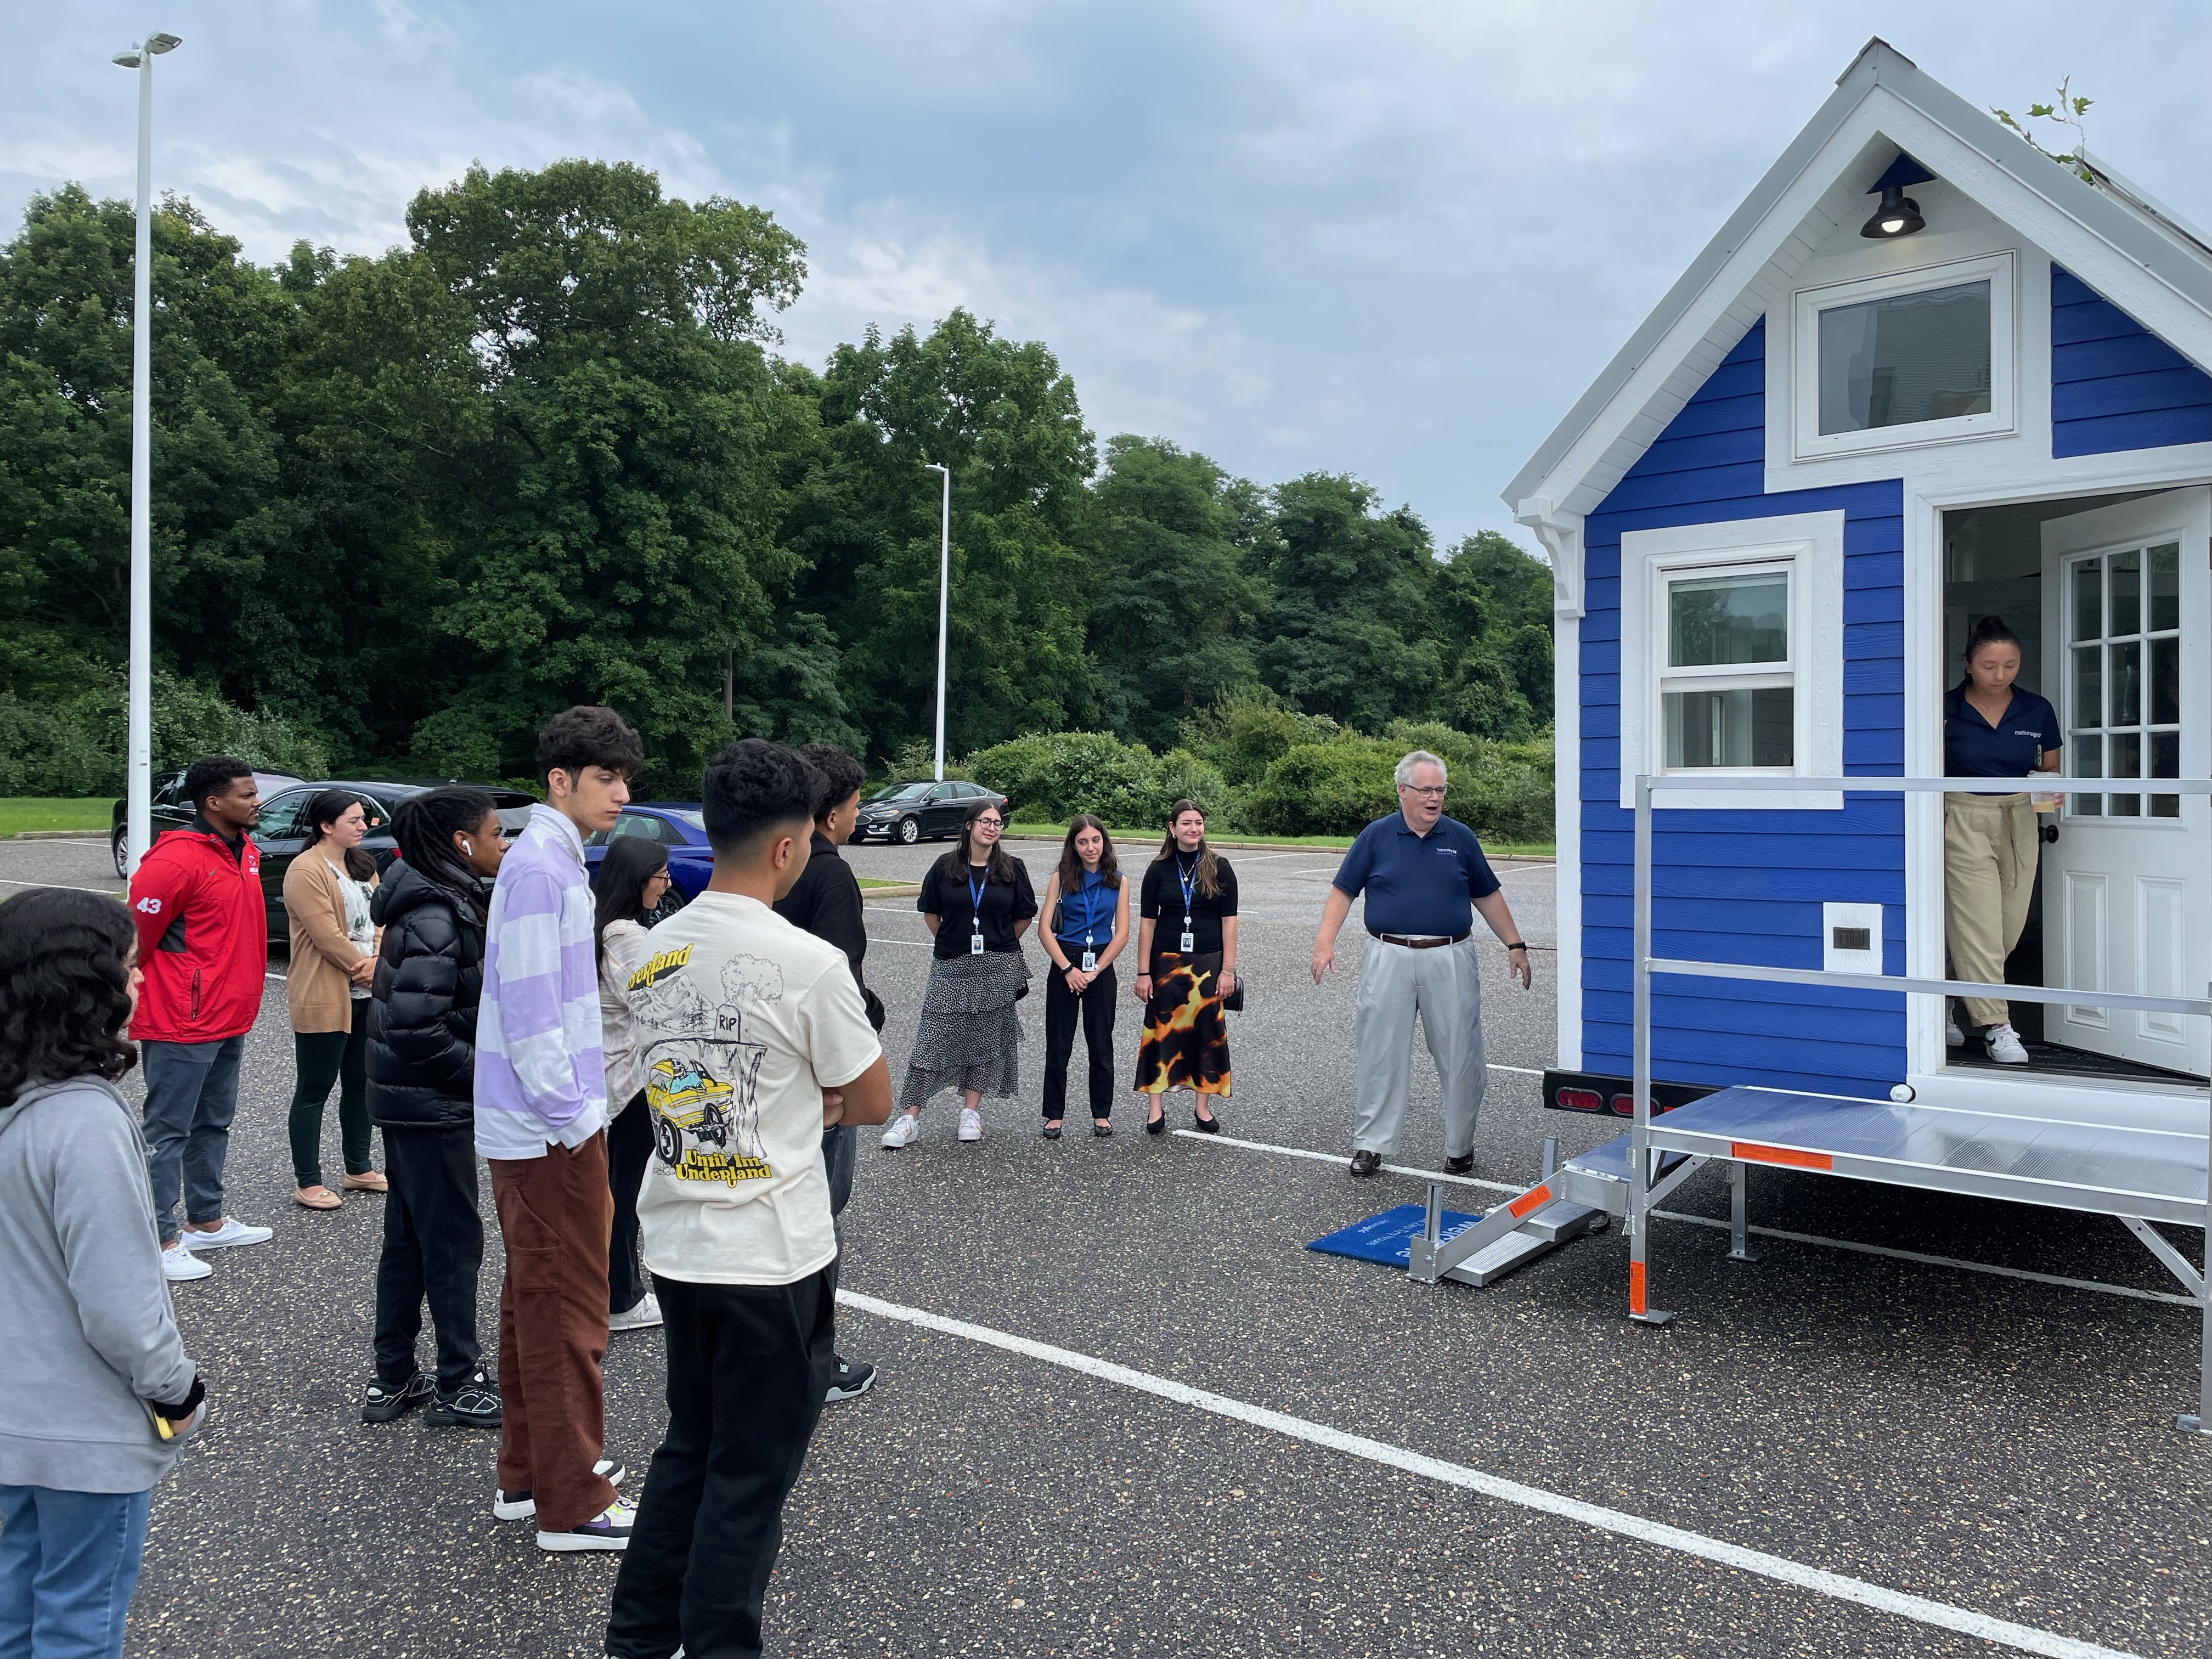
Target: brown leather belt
x,y
1411,944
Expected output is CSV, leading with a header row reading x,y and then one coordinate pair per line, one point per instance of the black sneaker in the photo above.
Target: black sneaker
x,y
520,1505
849,1381
1463,1164
1365,1164
387,1402
474,1404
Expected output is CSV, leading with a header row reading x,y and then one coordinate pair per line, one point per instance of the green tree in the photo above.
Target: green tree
x,y
1490,607
1349,635
1172,603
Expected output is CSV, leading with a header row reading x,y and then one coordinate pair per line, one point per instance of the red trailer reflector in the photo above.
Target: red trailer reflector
x,y
1580,1100
1748,1151
1529,1201
1636,1287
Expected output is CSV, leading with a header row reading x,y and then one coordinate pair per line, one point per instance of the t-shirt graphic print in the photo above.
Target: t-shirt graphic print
x,y
742,1021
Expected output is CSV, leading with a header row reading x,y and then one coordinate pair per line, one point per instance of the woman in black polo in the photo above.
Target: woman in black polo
x,y
978,902
1186,962
1992,729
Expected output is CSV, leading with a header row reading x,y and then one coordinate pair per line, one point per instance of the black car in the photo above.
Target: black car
x,y
171,812
281,835
909,812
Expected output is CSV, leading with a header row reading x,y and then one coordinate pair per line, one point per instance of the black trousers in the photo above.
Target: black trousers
x,y
629,1150
745,1390
1062,1006
322,1058
434,1247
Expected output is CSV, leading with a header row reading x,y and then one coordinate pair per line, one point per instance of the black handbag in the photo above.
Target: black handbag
x,y
1233,1002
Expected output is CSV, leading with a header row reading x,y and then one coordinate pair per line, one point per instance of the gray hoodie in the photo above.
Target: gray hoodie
x,y
88,1340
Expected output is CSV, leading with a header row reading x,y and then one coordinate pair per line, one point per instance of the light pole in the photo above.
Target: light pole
x,y
139,820
943,594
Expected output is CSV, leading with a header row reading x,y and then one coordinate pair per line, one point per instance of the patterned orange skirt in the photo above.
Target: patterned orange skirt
x,y
1185,1040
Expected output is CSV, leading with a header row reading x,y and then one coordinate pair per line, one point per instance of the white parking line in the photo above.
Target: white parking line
x,y
104,892
1852,1245
1939,1614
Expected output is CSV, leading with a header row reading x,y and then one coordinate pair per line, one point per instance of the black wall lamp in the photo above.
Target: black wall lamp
x,y
1899,213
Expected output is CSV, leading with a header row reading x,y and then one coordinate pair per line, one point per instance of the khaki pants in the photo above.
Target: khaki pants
x,y
1444,987
1989,876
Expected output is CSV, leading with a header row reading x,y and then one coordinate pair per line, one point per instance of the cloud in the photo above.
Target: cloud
x,y
1392,240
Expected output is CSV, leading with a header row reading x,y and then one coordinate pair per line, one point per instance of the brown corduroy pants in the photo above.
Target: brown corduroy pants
x,y
555,1214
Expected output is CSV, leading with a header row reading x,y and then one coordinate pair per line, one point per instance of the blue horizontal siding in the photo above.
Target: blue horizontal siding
x,y
2114,385
1745,885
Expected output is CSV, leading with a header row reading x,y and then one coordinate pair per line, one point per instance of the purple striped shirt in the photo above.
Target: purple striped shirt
x,y
541,1073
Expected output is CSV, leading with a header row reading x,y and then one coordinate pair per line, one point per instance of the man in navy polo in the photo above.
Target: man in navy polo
x,y
1424,877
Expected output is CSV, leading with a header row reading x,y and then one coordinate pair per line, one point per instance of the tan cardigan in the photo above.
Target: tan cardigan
x,y
316,982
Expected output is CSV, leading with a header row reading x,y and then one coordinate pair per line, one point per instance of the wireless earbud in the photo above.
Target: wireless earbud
x,y
467,848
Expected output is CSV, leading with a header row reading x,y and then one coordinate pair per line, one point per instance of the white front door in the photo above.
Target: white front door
x,y
2127,890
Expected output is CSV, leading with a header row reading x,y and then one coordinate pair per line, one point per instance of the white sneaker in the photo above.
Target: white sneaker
x,y
971,1124
1953,1037
902,1131
2004,1046
233,1232
642,1317
179,1264
609,1529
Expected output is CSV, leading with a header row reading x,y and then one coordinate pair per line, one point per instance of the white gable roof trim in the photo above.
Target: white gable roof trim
x,y
2135,253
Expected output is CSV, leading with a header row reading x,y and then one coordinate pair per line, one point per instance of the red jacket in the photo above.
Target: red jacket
x,y
203,938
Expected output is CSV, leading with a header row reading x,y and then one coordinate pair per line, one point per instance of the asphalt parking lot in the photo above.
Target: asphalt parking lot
x,y
1031,1474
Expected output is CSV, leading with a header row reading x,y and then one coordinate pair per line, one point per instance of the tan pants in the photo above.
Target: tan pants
x,y
1989,876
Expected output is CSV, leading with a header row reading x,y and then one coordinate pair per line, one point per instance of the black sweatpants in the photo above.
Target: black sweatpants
x,y
322,1058
746,1363
434,1247
629,1150
1096,1006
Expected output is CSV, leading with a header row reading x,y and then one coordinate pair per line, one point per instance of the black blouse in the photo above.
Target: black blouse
x,y
950,899
1161,902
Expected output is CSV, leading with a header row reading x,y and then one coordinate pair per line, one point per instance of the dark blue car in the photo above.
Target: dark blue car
x,y
675,826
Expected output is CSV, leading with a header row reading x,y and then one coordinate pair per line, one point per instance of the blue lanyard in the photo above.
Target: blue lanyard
x,y
1093,883
975,892
1186,880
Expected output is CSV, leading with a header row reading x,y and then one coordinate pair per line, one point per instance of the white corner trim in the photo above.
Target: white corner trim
x,y
1815,540
1561,533
1567,830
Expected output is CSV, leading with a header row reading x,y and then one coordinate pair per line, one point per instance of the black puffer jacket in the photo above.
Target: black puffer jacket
x,y
422,1012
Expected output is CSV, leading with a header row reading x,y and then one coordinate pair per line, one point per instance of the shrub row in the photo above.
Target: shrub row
x,y
78,746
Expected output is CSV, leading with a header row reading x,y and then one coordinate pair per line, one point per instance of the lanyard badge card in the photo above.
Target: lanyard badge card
x,y
1189,939
975,915
1090,931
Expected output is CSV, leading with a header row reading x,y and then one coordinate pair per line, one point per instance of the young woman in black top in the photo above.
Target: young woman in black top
x,y
1087,905
978,902
1187,957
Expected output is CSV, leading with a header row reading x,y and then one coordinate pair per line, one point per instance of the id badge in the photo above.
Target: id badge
x,y
1091,962
1189,942
975,945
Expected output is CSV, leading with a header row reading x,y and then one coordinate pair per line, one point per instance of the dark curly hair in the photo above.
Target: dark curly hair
x,y
64,988
841,775
577,739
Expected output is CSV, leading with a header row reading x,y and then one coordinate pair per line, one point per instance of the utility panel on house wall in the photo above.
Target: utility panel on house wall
x,y
1850,939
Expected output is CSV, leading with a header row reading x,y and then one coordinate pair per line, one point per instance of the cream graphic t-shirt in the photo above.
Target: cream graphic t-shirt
x,y
742,1021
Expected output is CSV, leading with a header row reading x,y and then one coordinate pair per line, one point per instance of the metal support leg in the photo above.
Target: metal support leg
x,y
1551,1156
1640,1159
1739,1215
1433,1223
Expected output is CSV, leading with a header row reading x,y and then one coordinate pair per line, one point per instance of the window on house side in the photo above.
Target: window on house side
x,y
1727,689
1909,358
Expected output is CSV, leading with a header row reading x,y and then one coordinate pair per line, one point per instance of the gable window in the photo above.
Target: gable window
x,y
1909,358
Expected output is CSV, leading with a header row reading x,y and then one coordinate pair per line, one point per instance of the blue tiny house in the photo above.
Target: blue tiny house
x,y
1923,376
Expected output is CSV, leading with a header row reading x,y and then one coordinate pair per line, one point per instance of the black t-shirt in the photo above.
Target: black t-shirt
x,y
1161,901
950,897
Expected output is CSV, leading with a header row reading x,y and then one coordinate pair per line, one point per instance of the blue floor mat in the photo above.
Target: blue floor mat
x,y
1387,1238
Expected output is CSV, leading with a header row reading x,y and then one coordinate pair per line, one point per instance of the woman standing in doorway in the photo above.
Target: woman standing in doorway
x,y
333,960
626,889
1187,953
1088,903
977,901
1992,729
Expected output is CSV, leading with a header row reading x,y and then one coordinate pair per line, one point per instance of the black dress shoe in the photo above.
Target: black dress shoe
x,y
1207,1126
1462,1164
1365,1164
1052,1132
1156,1125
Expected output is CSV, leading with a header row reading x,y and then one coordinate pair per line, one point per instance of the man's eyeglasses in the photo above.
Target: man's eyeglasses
x,y
1436,790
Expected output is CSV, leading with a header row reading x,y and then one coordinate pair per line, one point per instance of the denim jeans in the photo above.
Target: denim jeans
x,y
192,1094
69,1561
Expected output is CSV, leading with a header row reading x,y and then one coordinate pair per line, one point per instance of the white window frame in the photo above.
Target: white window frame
x,y
1810,546
2002,418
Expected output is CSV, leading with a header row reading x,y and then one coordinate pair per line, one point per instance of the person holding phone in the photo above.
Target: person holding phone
x,y
97,1392
977,902
1187,953
1088,903
328,891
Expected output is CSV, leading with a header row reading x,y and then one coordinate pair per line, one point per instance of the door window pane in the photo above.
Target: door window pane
x,y
1731,728
2164,586
1912,357
2126,755
2127,592
2089,600
2085,758
2165,763
1727,619
2089,686
2165,683
2127,683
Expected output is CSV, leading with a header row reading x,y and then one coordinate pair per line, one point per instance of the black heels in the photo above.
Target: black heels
x,y
1206,1126
1157,1126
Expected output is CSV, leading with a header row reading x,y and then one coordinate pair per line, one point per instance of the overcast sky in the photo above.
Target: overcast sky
x,y
1394,240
